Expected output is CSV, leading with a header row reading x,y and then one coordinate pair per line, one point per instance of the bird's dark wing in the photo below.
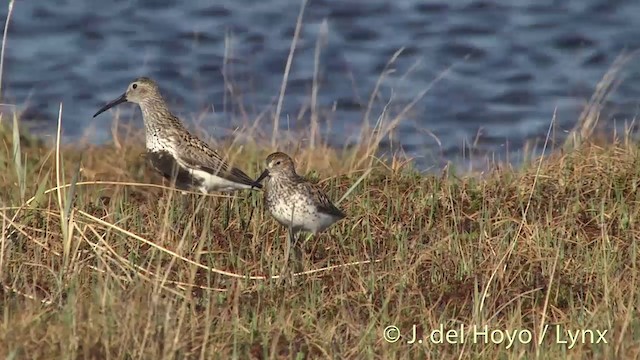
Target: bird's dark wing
x,y
324,203
164,163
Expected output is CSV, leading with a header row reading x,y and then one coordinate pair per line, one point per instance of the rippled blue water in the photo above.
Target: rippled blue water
x,y
512,63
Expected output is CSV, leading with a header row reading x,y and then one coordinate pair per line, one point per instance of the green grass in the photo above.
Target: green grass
x,y
118,270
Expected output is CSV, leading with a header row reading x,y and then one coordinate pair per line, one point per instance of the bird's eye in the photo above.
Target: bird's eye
x,y
278,162
134,86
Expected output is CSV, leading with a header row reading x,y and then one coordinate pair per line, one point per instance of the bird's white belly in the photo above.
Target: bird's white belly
x,y
300,215
216,183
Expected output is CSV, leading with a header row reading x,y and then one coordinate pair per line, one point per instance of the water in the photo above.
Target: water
x,y
511,64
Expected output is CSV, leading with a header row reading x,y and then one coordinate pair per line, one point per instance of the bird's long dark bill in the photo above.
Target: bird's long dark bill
x,y
120,100
264,174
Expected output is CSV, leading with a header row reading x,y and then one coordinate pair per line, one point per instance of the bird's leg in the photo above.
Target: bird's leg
x,y
285,274
245,225
227,211
184,199
296,246
314,248
287,246
247,200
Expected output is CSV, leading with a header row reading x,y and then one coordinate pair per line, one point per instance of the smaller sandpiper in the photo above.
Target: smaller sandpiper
x,y
293,201
173,151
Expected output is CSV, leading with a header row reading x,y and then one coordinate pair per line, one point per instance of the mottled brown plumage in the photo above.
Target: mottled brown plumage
x,y
293,201
173,151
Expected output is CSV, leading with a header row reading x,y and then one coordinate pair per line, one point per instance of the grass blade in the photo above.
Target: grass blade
x,y
17,159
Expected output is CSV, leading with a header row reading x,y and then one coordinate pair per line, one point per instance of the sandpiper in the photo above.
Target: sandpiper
x,y
173,151
293,201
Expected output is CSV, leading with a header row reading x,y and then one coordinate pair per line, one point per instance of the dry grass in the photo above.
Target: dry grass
x,y
119,270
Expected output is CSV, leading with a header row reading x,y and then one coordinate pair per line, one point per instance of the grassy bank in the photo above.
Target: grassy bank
x,y
134,270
